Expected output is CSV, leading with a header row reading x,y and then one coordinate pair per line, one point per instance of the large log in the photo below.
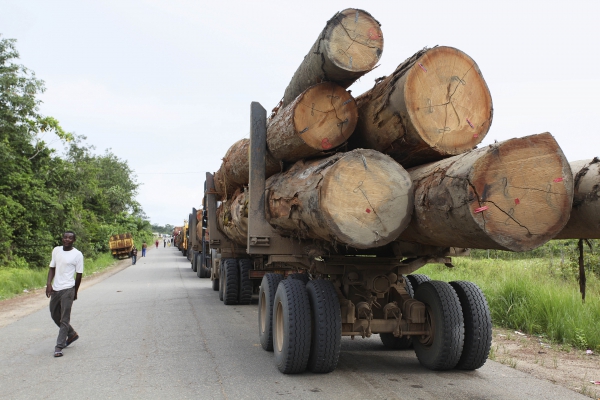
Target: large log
x,y
361,199
584,222
232,218
349,46
514,195
435,105
320,119
235,169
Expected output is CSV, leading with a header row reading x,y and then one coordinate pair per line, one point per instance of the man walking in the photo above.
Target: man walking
x,y
62,289
133,255
144,247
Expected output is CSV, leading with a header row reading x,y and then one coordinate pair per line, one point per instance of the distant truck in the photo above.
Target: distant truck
x,y
121,245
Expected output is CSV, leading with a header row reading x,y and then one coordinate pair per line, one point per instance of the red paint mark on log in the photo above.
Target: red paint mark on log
x,y
422,67
368,211
558,180
325,144
373,34
517,201
481,209
476,136
470,124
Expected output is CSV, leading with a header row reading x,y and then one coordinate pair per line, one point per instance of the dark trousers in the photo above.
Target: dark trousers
x,y
60,310
143,252
133,259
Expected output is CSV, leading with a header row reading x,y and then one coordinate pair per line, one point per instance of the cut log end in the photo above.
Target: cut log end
x,y
355,42
584,222
367,199
326,116
448,100
522,190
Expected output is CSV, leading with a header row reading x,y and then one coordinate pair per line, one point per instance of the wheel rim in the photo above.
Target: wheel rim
x,y
279,327
263,313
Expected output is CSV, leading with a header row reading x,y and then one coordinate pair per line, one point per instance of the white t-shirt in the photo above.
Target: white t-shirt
x,y
66,264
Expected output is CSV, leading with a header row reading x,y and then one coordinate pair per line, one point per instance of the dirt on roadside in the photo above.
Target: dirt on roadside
x,y
561,364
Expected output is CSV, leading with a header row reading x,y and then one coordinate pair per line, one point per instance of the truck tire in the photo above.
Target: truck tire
x,y
409,287
221,280
194,263
442,350
416,279
478,325
291,326
231,285
215,284
198,264
266,295
246,286
326,326
300,276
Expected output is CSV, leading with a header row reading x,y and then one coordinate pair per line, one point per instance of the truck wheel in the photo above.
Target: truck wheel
x,y
215,284
416,279
409,287
478,325
194,263
442,349
326,326
395,343
205,272
291,326
221,280
300,276
266,295
198,264
246,286
230,282
184,252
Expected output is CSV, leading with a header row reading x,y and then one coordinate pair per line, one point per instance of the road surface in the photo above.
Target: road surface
x,y
156,331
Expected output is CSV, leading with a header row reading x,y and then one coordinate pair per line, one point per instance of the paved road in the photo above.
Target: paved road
x,y
156,331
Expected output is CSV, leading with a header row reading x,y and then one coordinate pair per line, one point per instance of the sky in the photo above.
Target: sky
x,y
167,85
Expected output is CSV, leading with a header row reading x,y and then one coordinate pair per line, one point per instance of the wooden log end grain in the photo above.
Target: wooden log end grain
x,y
349,46
322,118
435,105
584,222
514,195
361,199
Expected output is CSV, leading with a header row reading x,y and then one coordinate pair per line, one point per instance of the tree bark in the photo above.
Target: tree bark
x,y
584,222
435,105
320,119
349,46
235,169
361,199
232,218
514,195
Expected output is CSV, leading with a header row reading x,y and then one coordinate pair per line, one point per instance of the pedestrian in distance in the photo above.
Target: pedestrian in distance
x,y
62,288
144,247
165,242
133,255
156,243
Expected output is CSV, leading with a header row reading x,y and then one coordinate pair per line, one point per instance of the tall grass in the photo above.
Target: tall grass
x,y
532,295
14,281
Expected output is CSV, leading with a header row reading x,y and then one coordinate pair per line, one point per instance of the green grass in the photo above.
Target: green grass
x,y
532,295
14,281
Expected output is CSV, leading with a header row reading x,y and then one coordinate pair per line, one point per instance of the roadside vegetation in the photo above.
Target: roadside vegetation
x,y
43,193
536,292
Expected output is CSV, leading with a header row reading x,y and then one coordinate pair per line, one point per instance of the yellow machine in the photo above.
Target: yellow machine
x,y
121,245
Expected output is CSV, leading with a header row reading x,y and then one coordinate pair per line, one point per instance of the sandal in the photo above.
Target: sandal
x,y
72,339
58,353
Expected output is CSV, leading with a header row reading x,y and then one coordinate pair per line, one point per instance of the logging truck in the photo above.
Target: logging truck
x,y
346,293
121,245
316,216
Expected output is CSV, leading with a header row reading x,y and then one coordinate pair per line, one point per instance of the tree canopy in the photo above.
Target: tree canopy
x,y
43,194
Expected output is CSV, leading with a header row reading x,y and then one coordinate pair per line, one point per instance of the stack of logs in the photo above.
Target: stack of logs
x,y
336,165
